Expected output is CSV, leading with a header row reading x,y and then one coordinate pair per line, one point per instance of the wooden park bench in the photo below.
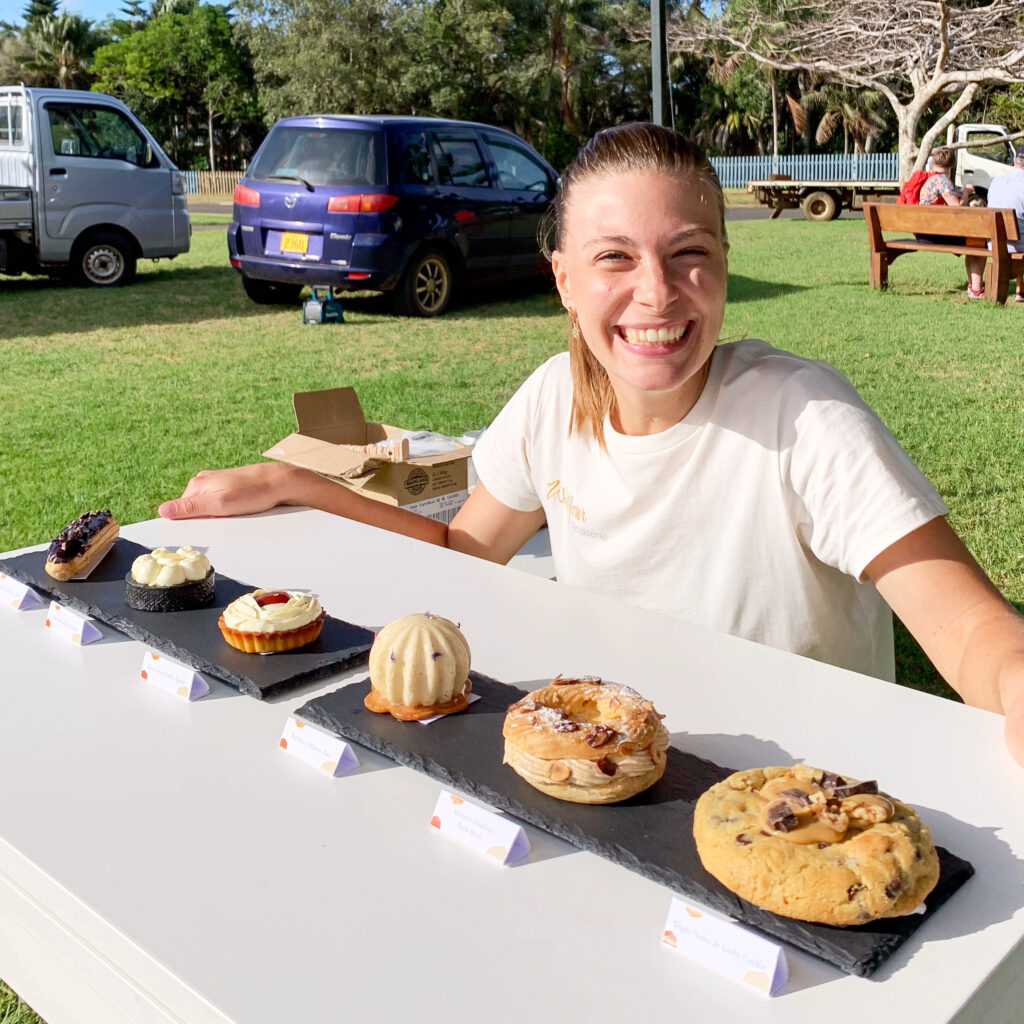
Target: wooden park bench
x,y
977,225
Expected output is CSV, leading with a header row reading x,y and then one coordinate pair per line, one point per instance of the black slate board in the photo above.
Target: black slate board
x,y
192,637
651,834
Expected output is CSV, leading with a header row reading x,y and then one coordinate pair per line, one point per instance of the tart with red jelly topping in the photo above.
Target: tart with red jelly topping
x,y
268,621
815,846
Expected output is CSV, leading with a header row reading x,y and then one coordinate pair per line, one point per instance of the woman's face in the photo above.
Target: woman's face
x,y
643,264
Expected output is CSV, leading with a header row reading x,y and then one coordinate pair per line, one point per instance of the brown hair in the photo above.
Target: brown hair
x,y
634,147
942,156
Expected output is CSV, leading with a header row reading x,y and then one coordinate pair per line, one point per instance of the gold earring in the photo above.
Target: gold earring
x,y
575,334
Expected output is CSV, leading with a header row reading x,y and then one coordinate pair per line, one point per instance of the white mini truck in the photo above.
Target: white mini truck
x,y
987,154
85,190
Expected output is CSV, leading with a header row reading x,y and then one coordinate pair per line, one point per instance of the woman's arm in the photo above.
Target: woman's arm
x,y
483,526
973,636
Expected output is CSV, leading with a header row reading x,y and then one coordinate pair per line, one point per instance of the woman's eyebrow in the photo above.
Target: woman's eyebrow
x,y
680,236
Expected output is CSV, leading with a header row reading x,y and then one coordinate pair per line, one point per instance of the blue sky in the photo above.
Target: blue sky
x,y
94,10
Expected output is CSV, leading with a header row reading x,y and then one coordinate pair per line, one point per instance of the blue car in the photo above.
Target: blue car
x,y
411,206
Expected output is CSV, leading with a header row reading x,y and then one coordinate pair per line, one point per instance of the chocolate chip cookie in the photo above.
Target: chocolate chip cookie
x,y
812,845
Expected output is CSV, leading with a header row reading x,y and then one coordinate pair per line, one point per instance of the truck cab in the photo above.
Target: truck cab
x,y
84,188
987,155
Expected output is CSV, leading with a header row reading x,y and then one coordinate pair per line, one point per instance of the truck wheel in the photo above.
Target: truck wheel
x,y
426,285
104,260
271,293
820,206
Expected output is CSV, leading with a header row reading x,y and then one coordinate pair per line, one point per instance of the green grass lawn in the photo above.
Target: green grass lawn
x,y
114,398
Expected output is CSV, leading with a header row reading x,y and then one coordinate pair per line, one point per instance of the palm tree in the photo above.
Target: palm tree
x,y
859,111
63,48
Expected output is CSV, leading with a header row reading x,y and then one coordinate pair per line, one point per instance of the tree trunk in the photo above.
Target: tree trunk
x,y
775,116
209,128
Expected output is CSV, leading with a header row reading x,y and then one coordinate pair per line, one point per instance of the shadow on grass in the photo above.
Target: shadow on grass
x,y
485,300
175,295
747,289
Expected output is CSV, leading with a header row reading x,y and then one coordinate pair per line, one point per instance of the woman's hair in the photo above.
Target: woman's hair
x,y
638,147
942,156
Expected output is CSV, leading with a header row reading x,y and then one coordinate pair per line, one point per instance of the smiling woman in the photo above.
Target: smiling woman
x,y
736,486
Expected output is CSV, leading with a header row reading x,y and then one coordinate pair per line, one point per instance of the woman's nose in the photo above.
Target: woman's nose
x,y
656,287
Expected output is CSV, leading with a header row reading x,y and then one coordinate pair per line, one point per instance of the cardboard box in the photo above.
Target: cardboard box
x,y
331,432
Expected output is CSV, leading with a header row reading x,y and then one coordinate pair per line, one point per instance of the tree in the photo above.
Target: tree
x,y
37,10
858,112
327,56
134,14
926,57
205,78
61,51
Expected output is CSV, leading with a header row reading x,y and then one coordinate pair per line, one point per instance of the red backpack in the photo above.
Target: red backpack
x,y
911,191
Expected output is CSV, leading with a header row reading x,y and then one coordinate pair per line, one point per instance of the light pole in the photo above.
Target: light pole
x,y
661,110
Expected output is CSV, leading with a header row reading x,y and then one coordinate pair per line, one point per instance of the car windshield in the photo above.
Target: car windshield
x,y
321,156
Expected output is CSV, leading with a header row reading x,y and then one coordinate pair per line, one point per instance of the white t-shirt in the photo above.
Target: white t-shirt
x,y
754,515
1007,192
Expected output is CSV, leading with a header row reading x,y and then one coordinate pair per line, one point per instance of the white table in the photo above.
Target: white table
x,y
165,861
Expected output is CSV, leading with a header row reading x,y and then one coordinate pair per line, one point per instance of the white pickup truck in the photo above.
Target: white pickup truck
x,y
987,155
84,188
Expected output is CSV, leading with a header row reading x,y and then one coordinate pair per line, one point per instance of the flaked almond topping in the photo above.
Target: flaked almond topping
x,y
598,736
525,704
894,887
559,771
566,725
854,889
743,839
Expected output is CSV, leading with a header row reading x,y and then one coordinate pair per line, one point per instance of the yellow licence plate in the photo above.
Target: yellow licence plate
x,y
292,241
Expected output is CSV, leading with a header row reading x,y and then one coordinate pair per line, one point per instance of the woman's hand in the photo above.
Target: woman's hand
x,y
235,492
1014,732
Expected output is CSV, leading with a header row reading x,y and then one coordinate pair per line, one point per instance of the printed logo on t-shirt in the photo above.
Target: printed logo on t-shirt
x,y
556,492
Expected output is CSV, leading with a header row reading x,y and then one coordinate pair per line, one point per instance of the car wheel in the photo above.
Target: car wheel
x,y
103,260
820,206
426,285
270,293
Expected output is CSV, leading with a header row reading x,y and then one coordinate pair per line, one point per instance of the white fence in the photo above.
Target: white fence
x,y
733,171
205,183
736,171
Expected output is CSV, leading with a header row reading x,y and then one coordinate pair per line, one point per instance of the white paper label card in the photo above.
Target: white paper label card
x,y
480,829
171,677
725,947
70,625
18,595
328,754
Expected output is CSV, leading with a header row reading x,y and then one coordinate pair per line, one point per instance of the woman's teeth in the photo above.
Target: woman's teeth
x,y
653,335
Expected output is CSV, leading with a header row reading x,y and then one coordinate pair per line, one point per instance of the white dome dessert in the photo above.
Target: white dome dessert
x,y
419,666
